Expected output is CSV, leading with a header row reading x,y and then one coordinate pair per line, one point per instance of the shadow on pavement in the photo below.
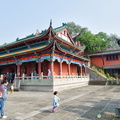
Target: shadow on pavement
x,y
102,110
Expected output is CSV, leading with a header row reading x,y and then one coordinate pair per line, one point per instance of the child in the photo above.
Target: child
x,y
12,88
55,101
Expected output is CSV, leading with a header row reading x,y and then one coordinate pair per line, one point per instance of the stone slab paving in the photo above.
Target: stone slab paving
x,y
83,103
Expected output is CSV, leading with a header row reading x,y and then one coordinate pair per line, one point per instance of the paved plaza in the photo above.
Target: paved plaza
x,y
83,103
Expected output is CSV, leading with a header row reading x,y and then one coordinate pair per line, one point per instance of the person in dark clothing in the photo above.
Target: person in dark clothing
x,y
13,76
8,77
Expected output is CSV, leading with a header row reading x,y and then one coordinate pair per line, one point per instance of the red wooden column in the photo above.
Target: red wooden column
x,y
68,68
52,67
39,68
81,70
18,70
60,68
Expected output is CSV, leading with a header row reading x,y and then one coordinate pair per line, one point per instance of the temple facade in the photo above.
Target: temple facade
x,y
109,61
52,49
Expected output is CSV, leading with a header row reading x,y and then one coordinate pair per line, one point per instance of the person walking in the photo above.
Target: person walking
x,y
49,73
1,77
10,77
34,74
55,103
3,97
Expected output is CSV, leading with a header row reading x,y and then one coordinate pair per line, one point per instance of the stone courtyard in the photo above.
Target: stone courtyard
x,y
83,103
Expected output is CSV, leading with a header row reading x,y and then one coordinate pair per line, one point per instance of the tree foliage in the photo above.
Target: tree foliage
x,y
113,45
73,28
93,42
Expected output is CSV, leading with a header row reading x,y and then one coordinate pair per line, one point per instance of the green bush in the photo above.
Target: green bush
x,y
112,79
116,75
101,71
107,75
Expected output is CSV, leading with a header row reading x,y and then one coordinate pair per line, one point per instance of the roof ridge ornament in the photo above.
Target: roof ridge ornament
x,y
50,22
17,39
37,32
64,24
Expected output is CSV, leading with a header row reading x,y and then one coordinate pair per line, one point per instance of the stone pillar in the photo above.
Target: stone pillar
x,y
39,68
18,70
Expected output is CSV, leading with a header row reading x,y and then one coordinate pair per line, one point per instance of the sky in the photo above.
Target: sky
x,y
20,18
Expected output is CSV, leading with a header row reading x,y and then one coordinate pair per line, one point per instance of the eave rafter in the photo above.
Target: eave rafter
x,y
68,44
65,52
30,52
47,34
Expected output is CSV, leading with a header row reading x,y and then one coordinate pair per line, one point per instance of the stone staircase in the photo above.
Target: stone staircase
x,y
96,78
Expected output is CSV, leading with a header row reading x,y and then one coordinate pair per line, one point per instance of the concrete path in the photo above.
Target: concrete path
x,y
84,103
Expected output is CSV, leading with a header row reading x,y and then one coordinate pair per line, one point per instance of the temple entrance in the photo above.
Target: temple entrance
x,y
9,68
64,68
28,68
13,69
44,67
23,69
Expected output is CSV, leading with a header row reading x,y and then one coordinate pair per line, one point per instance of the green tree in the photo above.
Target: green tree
x,y
113,45
93,42
102,36
73,28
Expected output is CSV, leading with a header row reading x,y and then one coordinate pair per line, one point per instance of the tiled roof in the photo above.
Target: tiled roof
x,y
81,47
22,39
105,53
74,54
60,28
112,66
33,36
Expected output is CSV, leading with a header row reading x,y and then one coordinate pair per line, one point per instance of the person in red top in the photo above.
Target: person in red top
x,y
4,77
